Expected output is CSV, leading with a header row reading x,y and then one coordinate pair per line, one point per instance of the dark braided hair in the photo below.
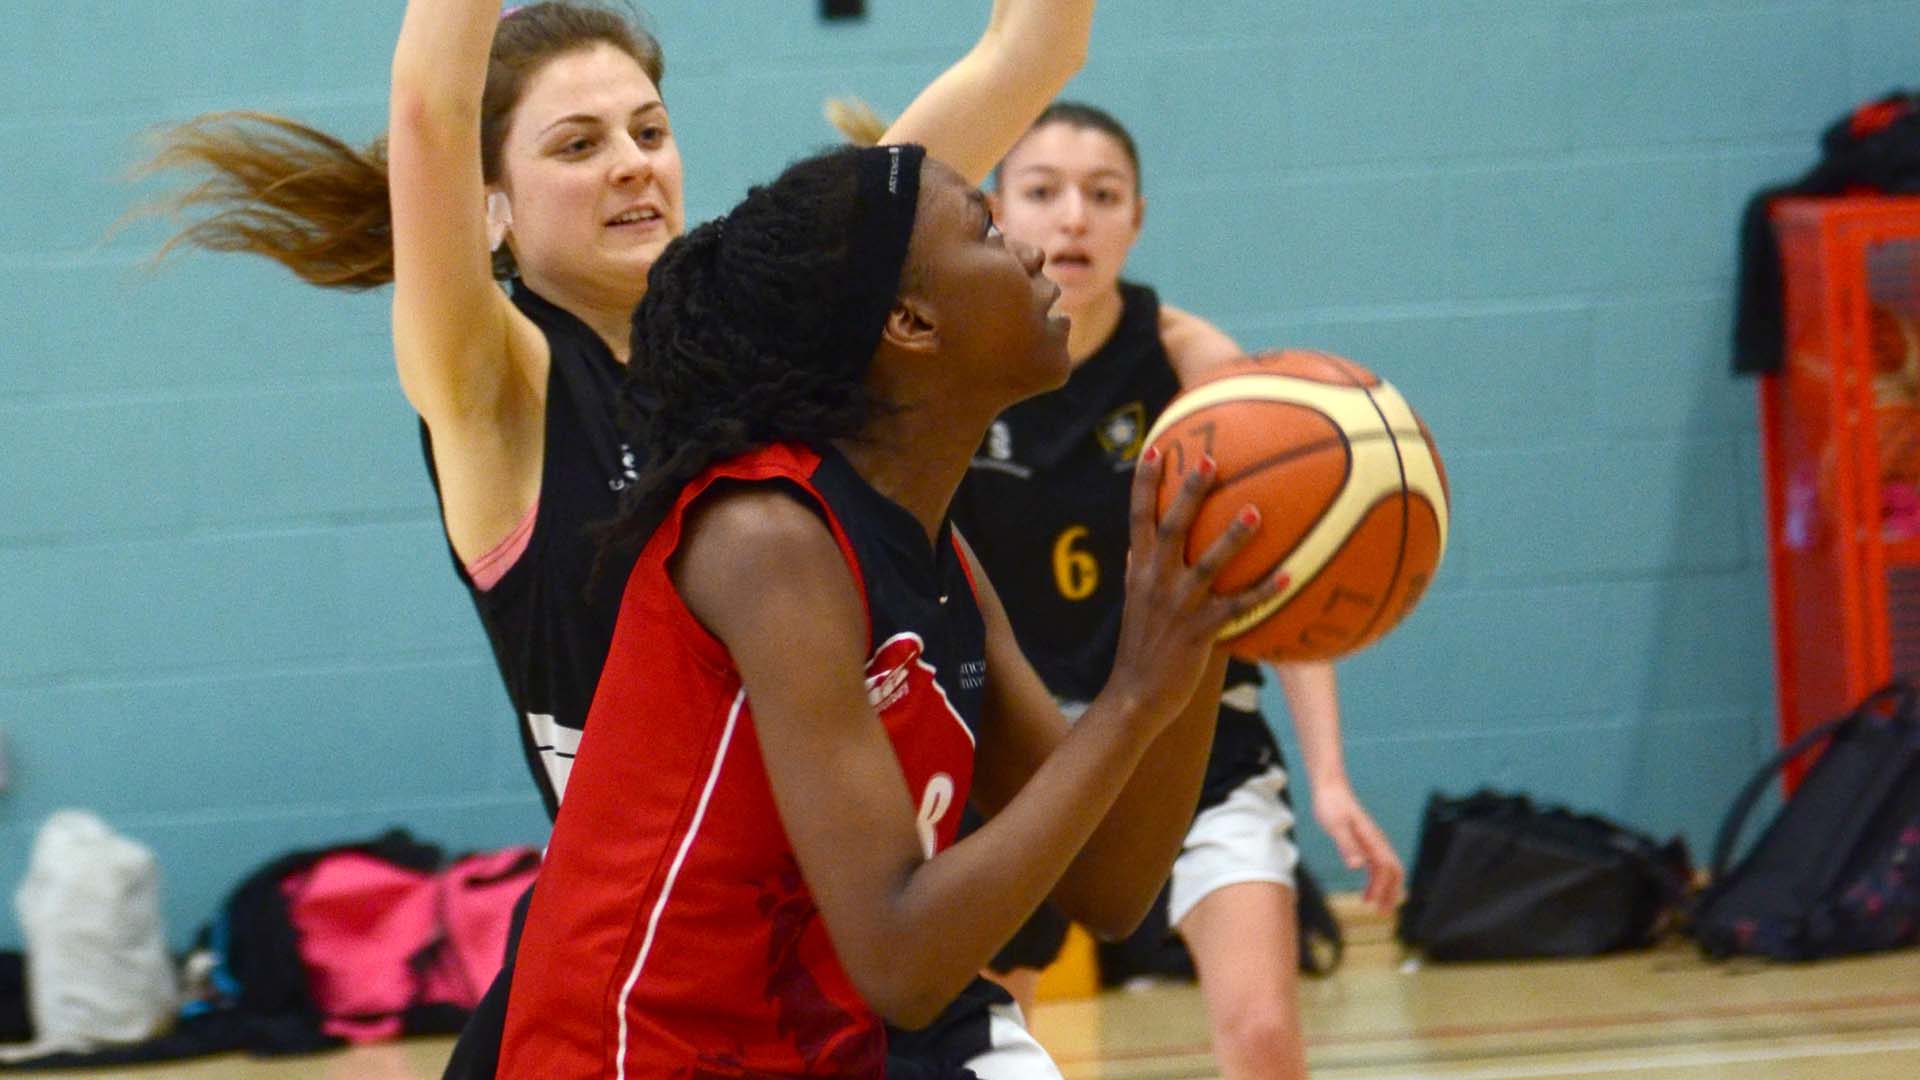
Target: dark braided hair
x,y
727,344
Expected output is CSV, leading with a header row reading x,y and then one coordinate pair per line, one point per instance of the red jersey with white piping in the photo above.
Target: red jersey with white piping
x,y
671,933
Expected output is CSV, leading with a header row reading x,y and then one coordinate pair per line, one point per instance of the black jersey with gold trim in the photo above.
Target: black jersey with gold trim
x,y
1045,507
1045,503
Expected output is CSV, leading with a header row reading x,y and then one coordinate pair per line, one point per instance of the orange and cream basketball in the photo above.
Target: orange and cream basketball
x,y
1351,493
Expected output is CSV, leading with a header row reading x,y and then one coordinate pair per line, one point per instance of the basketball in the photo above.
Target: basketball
x,y
1351,494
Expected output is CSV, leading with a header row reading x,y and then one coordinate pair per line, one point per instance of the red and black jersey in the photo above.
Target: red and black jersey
x,y
671,932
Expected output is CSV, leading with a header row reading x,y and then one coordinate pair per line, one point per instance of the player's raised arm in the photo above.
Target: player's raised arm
x,y
450,319
977,109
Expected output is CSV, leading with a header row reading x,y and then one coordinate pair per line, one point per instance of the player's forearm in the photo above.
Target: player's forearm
x,y
1112,883
1313,701
953,912
973,113
1049,34
440,59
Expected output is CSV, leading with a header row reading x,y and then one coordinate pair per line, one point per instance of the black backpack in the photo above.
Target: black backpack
x,y
1838,870
1497,877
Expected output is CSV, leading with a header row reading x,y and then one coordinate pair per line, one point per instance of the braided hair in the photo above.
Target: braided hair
x,y
734,344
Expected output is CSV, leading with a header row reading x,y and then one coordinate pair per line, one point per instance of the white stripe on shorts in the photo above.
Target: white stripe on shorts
x,y
1241,697
1013,1054
1247,837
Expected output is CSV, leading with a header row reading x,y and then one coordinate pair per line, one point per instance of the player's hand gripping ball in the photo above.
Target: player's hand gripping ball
x,y
1351,492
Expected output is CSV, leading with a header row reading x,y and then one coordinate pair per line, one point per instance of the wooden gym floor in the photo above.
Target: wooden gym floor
x,y
1660,1015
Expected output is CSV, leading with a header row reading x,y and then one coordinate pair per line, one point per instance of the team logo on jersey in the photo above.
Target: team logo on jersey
x,y
899,677
1000,441
1122,431
899,669
890,672
996,454
629,469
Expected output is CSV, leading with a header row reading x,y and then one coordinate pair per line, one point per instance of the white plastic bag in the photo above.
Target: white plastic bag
x,y
98,971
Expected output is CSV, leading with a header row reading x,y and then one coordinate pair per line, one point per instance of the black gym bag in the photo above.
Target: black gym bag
x,y
1498,878
1838,870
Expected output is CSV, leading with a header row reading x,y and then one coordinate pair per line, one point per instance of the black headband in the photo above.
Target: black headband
x,y
884,210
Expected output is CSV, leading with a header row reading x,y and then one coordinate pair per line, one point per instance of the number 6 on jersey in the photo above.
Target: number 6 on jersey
x,y
1075,570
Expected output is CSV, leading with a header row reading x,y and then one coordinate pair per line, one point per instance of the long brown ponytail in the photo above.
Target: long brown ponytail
x,y
320,207
278,188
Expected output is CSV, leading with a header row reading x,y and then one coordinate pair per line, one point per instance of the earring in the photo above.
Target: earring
x,y
499,218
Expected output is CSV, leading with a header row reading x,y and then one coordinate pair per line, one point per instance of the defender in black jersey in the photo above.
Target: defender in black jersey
x,y
1044,507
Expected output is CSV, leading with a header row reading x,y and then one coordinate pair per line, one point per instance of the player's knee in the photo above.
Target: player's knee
x,y
1256,1028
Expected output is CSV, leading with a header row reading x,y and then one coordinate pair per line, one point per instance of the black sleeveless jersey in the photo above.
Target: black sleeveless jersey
x,y
1045,507
549,634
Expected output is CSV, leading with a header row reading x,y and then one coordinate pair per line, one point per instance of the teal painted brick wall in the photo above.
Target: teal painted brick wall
x,y
226,619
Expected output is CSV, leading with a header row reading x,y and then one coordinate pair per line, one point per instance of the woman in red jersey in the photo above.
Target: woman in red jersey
x,y
1053,472
536,150
755,863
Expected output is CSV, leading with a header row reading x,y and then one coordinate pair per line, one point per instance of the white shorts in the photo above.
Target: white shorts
x,y
1248,836
1013,1054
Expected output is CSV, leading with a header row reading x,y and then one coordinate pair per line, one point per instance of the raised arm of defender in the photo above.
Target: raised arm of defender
x,y
977,109
474,367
